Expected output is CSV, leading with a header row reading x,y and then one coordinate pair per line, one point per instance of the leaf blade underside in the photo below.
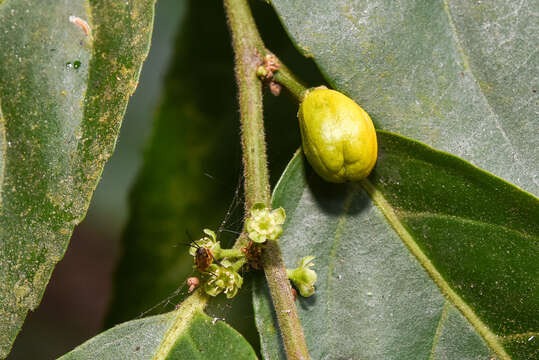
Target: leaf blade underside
x,y
373,299
458,76
186,333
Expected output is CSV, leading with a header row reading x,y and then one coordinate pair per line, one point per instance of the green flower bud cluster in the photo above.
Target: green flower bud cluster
x,y
264,224
214,263
303,276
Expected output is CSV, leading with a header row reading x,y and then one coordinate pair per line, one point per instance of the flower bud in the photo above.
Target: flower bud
x,y
339,139
303,276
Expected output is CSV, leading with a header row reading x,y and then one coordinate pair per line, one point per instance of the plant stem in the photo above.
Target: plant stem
x,y
238,264
284,302
229,253
285,77
248,49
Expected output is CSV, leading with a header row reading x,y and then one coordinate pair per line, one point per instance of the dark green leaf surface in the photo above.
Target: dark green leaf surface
x,y
184,334
444,266
62,97
458,75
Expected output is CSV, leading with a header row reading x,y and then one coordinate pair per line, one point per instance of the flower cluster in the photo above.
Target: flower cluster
x,y
223,279
213,262
221,273
264,224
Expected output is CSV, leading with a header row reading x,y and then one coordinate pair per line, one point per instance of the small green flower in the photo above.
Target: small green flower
x,y
264,224
223,279
210,242
303,276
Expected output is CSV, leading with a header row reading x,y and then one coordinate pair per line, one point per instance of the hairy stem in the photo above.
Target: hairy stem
x,y
238,264
248,50
285,77
229,253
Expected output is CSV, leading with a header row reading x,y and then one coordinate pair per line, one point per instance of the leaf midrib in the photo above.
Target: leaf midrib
x,y
387,210
183,317
333,254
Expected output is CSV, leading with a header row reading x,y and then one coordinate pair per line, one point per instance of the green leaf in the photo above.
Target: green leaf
x,y
62,98
430,258
458,75
186,333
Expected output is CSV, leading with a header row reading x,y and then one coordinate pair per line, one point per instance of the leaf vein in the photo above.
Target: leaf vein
x,y
468,70
438,332
411,214
385,207
526,335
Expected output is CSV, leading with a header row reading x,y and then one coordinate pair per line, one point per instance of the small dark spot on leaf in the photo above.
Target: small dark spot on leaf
x,y
137,348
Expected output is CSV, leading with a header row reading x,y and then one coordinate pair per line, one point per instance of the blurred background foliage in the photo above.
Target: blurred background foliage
x,y
125,261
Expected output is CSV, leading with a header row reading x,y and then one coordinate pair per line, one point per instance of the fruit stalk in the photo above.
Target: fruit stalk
x,y
285,77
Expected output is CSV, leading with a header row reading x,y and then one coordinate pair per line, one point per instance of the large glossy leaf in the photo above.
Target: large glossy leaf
x,y
186,333
63,93
458,75
428,258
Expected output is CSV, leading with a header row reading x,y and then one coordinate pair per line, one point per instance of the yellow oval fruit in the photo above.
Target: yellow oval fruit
x,y
338,136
